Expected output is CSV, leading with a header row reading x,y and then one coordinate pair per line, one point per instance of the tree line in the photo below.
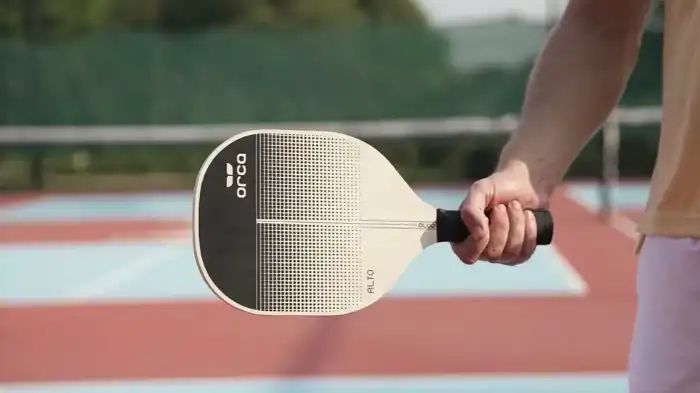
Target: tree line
x,y
217,61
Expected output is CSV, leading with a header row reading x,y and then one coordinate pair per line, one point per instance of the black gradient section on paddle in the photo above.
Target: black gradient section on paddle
x,y
451,228
227,222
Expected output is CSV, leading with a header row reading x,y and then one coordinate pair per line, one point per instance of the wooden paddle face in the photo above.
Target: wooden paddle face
x,y
304,223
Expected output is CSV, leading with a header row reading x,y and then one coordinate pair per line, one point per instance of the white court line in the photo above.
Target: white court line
x,y
464,381
573,278
625,225
126,272
619,222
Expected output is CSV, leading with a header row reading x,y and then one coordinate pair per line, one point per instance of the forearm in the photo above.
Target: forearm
x,y
577,80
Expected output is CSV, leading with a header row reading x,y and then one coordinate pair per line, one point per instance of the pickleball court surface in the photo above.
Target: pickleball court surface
x,y
100,293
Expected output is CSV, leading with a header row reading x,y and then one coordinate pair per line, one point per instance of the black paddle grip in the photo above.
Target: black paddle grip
x,y
451,228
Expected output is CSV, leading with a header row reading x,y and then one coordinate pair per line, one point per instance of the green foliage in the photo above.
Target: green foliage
x,y
214,61
136,62
226,75
64,19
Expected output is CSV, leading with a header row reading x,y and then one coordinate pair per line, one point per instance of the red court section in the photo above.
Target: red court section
x,y
396,336
51,232
9,200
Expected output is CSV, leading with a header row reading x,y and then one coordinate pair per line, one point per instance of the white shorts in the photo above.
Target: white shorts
x,y
665,352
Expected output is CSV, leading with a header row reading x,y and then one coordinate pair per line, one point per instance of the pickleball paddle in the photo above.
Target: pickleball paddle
x,y
291,222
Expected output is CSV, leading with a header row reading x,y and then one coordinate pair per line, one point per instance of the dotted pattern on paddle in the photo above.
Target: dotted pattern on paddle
x,y
311,249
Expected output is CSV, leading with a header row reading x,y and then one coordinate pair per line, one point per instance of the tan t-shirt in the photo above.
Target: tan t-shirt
x,y
673,208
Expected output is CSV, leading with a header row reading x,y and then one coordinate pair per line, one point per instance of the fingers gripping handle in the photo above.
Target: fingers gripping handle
x,y
451,228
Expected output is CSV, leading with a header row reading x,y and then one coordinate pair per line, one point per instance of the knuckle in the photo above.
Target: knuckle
x,y
479,186
515,210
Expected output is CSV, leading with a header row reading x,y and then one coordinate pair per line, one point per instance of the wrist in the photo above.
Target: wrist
x,y
544,174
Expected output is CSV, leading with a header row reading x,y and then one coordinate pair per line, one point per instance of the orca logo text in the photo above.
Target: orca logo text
x,y
241,169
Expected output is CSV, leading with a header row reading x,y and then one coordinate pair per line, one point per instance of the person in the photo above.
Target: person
x,y
578,79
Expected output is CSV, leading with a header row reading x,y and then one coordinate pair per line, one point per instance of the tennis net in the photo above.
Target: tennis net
x,y
109,158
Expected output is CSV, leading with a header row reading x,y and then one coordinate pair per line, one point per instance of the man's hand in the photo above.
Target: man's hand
x,y
577,80
496,211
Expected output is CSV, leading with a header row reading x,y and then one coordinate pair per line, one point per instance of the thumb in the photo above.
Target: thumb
x,y
473,213
513,183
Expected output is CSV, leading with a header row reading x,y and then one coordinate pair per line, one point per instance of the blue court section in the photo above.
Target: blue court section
x,y
580,383
625,196
67,208
166,270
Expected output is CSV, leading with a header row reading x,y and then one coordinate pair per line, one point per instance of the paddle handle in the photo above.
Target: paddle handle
x,y
451,228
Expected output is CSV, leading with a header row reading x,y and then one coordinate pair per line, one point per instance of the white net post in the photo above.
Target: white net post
x,y
611,168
